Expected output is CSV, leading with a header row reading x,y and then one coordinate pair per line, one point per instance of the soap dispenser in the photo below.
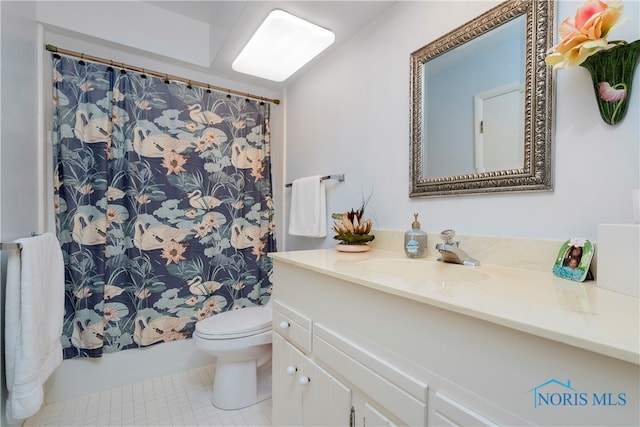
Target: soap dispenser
x,y
415,240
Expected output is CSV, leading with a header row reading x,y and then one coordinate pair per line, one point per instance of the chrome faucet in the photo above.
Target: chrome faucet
x,y
451,251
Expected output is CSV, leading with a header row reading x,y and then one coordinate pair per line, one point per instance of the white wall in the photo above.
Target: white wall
x,y
350,114
19,139
137,27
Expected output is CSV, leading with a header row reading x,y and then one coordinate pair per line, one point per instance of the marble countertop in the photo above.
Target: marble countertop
x,y
579,314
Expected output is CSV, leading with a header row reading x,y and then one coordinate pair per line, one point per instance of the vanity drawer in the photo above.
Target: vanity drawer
x,y
293,326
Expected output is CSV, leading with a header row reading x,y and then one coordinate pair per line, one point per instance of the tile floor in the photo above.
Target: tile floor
x,y
180,399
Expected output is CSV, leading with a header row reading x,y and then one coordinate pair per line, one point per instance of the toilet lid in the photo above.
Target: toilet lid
x,y
236,323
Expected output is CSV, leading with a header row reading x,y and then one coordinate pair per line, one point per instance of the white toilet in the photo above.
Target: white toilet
x,y
241,341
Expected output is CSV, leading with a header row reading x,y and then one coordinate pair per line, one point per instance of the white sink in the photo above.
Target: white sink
x,y
422,270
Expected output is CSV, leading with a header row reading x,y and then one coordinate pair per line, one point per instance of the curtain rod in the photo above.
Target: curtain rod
x,y
165,76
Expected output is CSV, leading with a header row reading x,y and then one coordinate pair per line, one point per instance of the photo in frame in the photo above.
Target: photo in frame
x,y
574,260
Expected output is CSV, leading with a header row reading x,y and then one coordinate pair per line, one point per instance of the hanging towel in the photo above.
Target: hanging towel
x,y
308,207
34,313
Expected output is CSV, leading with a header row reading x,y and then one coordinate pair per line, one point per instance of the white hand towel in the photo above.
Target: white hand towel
x,y
33,321
308,207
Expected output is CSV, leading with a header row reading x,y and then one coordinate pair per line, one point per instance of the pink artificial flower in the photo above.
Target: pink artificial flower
x,y
585,34
611,94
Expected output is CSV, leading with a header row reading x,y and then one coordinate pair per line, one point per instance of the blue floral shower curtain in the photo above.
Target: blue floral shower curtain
x,y
163,202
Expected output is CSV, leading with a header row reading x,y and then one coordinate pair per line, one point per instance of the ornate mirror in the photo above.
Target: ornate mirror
x,y
482,105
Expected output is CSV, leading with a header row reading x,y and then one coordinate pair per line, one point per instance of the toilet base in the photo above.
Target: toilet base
x,y
239,385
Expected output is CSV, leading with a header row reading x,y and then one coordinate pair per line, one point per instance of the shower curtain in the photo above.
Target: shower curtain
x,y
163,203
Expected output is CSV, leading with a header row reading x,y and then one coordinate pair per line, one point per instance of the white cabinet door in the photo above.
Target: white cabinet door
x,y
403,396
326,401
303,393
373,418
287,393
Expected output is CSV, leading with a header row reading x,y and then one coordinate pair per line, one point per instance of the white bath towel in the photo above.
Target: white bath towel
x,y
33,321
308,207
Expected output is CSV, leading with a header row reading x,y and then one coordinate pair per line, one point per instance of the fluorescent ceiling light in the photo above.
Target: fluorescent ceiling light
x,y
281,46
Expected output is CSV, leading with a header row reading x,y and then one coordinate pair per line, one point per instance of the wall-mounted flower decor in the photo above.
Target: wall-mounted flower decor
x,y
610,63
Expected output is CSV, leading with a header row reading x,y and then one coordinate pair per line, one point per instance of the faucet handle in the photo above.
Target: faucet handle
x,y
447,236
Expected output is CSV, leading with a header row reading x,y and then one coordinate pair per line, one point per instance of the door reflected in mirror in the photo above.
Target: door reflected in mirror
x,y
498,126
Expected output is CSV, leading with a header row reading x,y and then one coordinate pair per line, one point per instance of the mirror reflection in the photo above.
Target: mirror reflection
x,y
482,104
474,105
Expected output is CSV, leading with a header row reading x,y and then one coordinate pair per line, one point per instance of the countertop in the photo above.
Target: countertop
x,y
579,314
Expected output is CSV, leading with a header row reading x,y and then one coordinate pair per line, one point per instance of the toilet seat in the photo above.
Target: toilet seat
x,y
235,323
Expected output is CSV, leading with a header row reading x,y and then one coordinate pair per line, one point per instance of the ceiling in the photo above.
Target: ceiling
x,y
232,23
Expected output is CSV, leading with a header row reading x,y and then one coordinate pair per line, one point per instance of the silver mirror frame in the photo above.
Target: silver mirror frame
x,y
536,175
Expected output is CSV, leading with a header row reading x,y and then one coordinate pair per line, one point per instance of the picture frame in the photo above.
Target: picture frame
x,y
574,260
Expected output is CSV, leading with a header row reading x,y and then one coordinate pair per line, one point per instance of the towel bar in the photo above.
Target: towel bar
x,y
340,178
9,246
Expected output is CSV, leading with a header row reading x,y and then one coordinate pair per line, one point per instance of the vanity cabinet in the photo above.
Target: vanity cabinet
x,y
400,361
323,378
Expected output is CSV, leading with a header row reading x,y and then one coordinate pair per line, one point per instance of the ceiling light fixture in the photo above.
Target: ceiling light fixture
x,y
281,46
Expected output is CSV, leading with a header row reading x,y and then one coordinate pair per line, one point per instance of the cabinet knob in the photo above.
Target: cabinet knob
x,y
284,325
304,380
291,369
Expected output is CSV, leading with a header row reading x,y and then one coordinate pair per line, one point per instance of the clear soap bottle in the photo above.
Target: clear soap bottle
x,y
415,240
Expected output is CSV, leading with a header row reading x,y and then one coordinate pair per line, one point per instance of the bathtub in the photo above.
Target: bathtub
x,y
78,377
